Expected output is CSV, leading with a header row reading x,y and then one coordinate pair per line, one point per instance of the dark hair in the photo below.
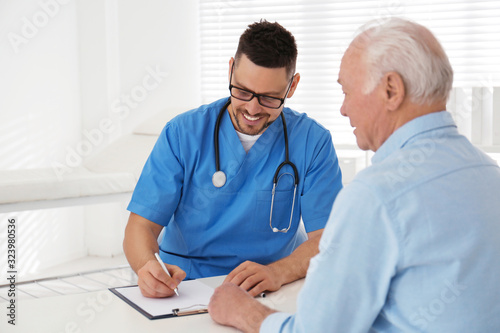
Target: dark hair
x,y
268,45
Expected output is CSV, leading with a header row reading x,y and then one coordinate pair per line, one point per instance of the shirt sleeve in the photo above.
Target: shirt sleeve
x,y
322,183
347,282
158,190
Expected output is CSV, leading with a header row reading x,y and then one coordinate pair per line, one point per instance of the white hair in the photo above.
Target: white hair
x,y
411,50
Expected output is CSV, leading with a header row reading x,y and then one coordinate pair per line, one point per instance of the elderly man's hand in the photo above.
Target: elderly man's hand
x,y
232,306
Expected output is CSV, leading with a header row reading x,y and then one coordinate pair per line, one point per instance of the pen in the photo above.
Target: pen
x,y
165,269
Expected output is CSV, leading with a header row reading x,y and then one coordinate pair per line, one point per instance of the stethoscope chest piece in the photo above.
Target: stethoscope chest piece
x,y
219,178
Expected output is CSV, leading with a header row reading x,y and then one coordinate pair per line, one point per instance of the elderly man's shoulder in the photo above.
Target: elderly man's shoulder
x,y
407,169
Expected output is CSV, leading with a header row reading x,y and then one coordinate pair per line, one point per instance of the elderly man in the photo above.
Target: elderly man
x,y
412,243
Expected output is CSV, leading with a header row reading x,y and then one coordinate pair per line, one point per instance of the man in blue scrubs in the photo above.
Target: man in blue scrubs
x,y
217,230
412,244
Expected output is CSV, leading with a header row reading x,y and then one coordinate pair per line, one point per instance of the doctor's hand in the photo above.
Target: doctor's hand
x,y
255,278
154,282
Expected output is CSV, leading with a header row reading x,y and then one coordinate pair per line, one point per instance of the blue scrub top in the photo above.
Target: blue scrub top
x,y
208,230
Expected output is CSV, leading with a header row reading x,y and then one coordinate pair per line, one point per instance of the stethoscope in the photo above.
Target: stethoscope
x,y
219,177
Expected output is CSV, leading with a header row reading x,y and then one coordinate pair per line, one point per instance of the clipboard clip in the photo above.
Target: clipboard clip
x,y
178,312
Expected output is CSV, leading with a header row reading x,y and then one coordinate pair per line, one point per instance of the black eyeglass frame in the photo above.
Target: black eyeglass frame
x,y
282,100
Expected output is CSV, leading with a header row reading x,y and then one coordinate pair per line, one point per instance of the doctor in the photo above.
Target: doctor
x,y
209,181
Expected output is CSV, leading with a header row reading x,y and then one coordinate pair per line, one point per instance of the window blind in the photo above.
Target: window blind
x,y
468,30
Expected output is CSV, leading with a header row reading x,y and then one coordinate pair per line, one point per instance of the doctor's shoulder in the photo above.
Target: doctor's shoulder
x,y
194,121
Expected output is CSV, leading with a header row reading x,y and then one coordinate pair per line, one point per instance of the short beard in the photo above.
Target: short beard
x,y
240,129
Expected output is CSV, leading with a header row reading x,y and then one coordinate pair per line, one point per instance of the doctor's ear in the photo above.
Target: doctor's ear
x,y
296,79
231,62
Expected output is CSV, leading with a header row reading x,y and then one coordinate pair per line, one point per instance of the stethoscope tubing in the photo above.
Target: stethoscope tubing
x,y
287,160
219,177
216,133
285,134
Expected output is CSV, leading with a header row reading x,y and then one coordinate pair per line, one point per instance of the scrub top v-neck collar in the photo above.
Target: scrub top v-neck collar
x,y
231,142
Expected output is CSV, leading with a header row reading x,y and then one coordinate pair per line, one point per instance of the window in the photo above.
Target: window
x,y
468,30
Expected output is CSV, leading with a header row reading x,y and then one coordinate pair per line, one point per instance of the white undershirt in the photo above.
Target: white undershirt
x,y
247,140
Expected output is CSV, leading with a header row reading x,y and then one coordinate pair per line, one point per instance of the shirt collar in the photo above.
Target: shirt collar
x,y
414,127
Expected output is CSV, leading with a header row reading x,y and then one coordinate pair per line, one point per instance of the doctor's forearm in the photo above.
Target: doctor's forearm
x,y
140,242
295,266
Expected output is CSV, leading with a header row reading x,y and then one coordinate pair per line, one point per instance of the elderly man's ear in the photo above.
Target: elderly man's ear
x,y
394,90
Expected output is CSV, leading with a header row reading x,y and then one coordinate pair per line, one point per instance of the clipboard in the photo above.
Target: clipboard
x,y
193,298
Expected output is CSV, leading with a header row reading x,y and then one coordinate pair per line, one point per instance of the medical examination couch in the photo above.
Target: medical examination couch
x,y
106,176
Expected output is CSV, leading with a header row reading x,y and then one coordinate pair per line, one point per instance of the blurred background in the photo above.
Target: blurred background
x,y
86,85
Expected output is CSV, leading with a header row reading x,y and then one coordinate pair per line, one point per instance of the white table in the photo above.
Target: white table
x,y
101,311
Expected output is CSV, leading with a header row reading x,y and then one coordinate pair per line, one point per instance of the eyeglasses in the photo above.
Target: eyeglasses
x,y
264,100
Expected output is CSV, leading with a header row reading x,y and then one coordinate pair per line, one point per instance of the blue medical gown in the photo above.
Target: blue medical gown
x,y
208,230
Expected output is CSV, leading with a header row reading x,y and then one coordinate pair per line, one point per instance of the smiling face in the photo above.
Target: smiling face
x,y
250,117
366,112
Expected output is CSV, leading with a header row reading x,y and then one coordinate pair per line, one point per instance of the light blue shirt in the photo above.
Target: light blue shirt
x,y
208,230
412,244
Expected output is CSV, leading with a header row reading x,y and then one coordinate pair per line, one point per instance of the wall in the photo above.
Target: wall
x,y
67,66
161,36
137,58
40,116
39,85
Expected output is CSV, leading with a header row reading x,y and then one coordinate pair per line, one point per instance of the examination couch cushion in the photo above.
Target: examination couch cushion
x,y
46,184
